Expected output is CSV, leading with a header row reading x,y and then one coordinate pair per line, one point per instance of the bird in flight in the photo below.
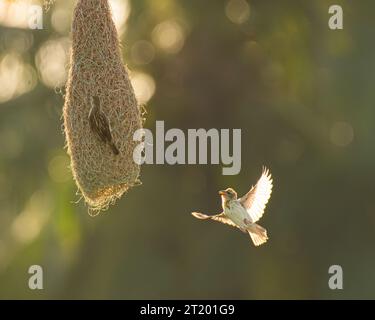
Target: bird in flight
x,y
99,124
244,212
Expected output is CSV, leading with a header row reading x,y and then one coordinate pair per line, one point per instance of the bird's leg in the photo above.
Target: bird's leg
x,y
246,221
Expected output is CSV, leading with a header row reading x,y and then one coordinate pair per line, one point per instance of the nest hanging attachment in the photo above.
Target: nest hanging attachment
x,y
100,112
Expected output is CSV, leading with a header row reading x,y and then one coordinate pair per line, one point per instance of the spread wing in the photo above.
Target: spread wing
x,y
218,217
256,199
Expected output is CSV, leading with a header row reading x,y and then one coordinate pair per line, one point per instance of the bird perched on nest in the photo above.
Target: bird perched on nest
x,y
99,124
243,213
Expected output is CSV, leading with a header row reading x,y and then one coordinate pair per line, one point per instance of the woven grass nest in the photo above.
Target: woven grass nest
x,y
97,70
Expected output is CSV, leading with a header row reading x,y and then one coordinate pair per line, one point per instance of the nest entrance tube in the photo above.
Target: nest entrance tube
x,y
97,70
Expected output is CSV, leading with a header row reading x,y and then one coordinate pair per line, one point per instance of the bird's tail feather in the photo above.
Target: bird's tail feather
x,y
258,234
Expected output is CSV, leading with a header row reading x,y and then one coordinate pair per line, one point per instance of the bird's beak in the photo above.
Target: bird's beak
x,y
222,192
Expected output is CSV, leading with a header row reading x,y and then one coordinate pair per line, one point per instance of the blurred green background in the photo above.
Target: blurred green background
x,y
301,93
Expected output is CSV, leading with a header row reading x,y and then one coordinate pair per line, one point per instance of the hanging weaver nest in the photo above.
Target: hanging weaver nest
x,y
97,77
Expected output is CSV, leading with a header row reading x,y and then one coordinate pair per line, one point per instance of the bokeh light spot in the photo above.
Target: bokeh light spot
x,y
14,14
341,134
120,12
28,224
52,60
144,86
16,77
169,36
237,11
61,19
